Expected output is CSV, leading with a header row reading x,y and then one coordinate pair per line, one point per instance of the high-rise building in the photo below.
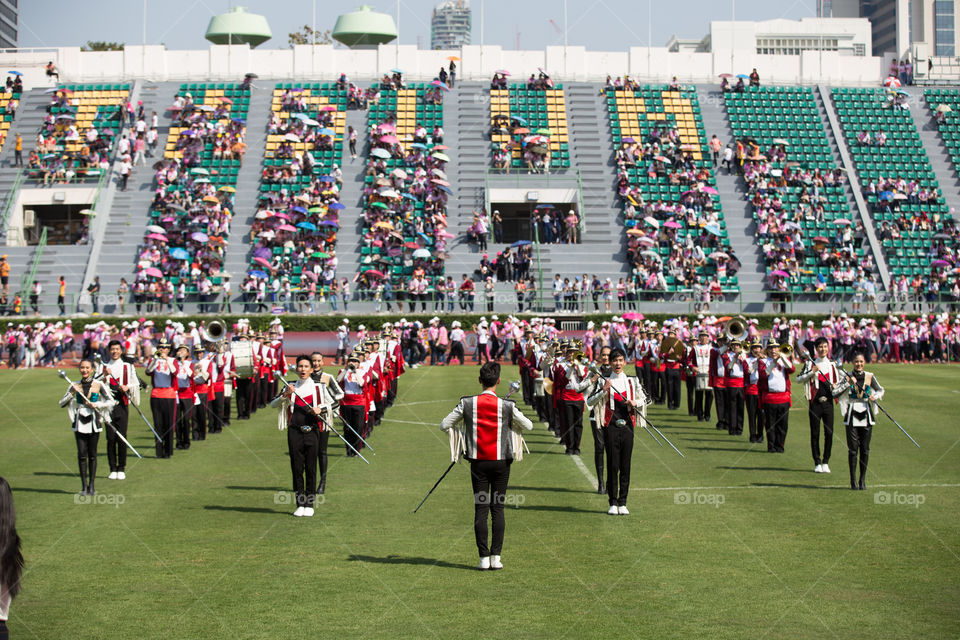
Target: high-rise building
x,y
8,24
450,24
898,25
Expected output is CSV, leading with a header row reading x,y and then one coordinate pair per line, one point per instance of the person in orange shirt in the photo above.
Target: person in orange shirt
x,y
5,274
18,152
715,147
62,296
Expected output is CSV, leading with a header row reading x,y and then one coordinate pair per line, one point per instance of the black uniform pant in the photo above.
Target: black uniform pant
x,y
619,446
672,377
352,414
200,417
304,447
821,412
322,458
116,450
87,457
599,438
164,418
660,386
216,408
754,417
720,397
225,416
734,402
858,445
572,424
703,400
242,387
184,420
691,383
777,416
489,479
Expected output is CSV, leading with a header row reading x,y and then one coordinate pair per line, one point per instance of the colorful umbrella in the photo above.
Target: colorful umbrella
x,y
178,253
442,157
380,153
227,189
262,261
153,272
286,227
421,253
157,236
199,236
309,226
256,273
779,273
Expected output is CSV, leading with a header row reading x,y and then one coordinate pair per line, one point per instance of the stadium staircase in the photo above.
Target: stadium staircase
x,y
939,154
737,211
130,209
351,222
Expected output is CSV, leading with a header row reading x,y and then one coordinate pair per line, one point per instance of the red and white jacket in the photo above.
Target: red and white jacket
x,y
737,370
773,380
487,423
823,373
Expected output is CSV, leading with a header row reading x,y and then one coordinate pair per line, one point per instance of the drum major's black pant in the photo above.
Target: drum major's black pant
x,y
821,412
734,400
777,416
164,418
304,446
572,423
184,420
87,457
754,417
703,400
672,379
116,450
322,458
619,447
489,479
858,444
353,416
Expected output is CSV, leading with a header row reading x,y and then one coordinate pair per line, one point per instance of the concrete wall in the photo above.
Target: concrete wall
x,y
27,198
325,63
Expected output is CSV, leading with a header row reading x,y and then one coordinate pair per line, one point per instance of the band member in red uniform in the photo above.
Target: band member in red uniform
x,y
300,406
124,386
671,373
186,396
202,375
774,382
700,358
752,394
227,368
353,405
163,396
571,399
736,366
490,443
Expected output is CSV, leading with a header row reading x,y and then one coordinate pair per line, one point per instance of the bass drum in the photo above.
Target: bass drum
x,y
243,358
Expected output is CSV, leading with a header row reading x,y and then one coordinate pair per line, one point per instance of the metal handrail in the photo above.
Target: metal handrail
x,y
31,273
11,198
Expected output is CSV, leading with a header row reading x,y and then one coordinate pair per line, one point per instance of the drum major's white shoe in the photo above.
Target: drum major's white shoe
x,y
613,510
112,476
484,563
818,468
825,468
623,510
308,512
299,512
495,563
121,475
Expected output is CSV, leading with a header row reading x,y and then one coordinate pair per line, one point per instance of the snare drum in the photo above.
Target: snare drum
x,y
243,358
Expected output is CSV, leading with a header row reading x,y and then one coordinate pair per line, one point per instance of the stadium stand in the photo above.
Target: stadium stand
x,y
529,128
294,236
677,239
405,196
77,135
10,97
899,183
797,195
184,246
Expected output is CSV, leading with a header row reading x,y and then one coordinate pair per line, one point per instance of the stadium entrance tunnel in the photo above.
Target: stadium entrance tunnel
x,y
66,214
519,208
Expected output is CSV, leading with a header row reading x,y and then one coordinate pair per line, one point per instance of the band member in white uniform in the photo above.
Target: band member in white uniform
x,y
700,361
620,398
87,420
124,385
819,379
859,394
333,396
491,441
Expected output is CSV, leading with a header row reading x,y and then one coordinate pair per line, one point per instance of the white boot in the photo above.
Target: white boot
x,y
613,510
484,563
495,562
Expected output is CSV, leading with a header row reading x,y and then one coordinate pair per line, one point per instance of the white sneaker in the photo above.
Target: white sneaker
x,y
308,512
818,468
113,475
613,510
484,563
825,468
299,512
121,475
623,510
495,562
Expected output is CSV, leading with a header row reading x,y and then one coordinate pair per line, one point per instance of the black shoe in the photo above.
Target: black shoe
x,y
600,488
853,485
863,485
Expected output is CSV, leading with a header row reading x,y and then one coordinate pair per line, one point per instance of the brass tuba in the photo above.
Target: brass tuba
x,y
736,329
215,331
786,349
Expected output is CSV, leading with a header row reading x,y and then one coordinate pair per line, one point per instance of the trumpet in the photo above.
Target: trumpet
x,y
786,349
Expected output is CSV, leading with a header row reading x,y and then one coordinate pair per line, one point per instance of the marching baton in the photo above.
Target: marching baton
x,y
63,374
354,432
886,413
325,423
660,433
150,426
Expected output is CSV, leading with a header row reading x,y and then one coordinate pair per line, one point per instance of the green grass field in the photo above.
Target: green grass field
x,y
731,542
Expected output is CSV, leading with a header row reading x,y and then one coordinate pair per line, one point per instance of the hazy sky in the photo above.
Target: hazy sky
x,y
601,25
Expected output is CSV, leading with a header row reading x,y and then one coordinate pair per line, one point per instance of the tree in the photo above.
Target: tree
x,y
306,35
102,46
